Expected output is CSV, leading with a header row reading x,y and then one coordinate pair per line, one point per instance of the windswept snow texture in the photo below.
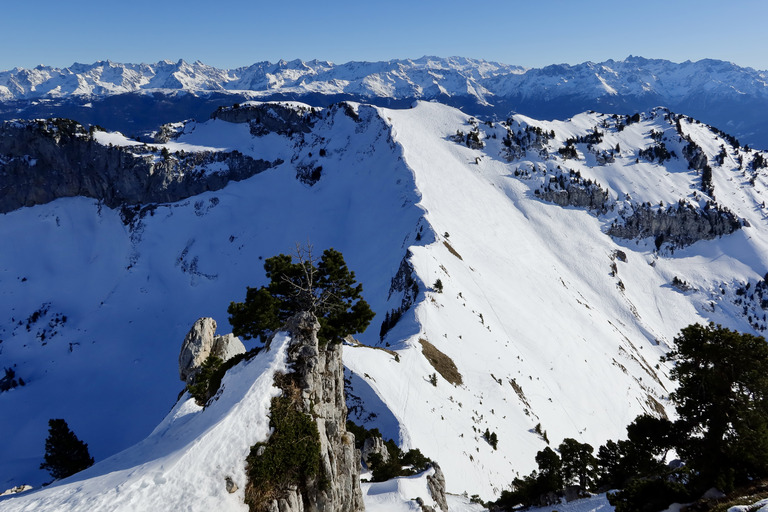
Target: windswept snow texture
x,y
184,463
544,322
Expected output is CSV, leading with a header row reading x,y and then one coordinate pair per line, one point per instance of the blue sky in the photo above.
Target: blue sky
x,y
530,33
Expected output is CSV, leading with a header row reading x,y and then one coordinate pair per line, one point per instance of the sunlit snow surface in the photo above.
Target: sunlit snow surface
x,y
530,312
185,461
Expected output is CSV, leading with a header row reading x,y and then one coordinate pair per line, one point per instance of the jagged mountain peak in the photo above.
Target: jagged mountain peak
x,y
476,69
718,92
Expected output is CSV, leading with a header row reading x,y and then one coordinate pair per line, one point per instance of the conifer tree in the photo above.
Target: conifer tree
x,y
722,404
326,288
65,454
578,463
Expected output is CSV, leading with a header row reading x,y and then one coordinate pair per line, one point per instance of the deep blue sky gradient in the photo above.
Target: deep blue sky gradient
x,y
530,33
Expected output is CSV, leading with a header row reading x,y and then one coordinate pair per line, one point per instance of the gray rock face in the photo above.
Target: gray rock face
x,y
41,161
268,118
424,506
680,226
202,341
320,377
592,196
604,157
436,486
695,156
405,283
227,346
169,132
375,445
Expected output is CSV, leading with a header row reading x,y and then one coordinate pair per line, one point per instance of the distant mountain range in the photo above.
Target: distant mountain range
x,y
720,93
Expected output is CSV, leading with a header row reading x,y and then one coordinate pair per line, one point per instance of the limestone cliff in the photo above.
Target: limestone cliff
x,y
317,382
577,193
263,118
677,225
43,160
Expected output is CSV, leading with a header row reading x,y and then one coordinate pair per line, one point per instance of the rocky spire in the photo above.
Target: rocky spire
x,y
202,341
318,373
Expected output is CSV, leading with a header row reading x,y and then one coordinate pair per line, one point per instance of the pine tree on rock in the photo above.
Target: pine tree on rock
x,y
326,288
65,454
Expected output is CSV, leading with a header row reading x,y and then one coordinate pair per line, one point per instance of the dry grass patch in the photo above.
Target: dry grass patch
x,y
656,406
443,364
519,392
452,250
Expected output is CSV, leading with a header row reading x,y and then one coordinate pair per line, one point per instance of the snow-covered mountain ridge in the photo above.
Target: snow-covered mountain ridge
x,y
554,326
427,77
717,92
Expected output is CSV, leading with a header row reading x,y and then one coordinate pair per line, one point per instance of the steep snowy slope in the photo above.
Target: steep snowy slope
x,y
542,325
185,461
195,458
94,310
564,334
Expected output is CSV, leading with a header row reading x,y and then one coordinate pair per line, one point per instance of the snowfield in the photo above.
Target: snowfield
x,y
554,328
184,463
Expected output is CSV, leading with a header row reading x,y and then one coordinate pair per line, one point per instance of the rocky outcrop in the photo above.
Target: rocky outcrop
x,y
696,157
318,373
404,283
169,132
436,486
374,445
680,226
570,189
16,490
592,197
200,342
263,118
516,144
43,160
604,157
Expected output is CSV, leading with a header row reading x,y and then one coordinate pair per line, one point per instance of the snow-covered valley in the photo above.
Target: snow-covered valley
x,y
553,327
